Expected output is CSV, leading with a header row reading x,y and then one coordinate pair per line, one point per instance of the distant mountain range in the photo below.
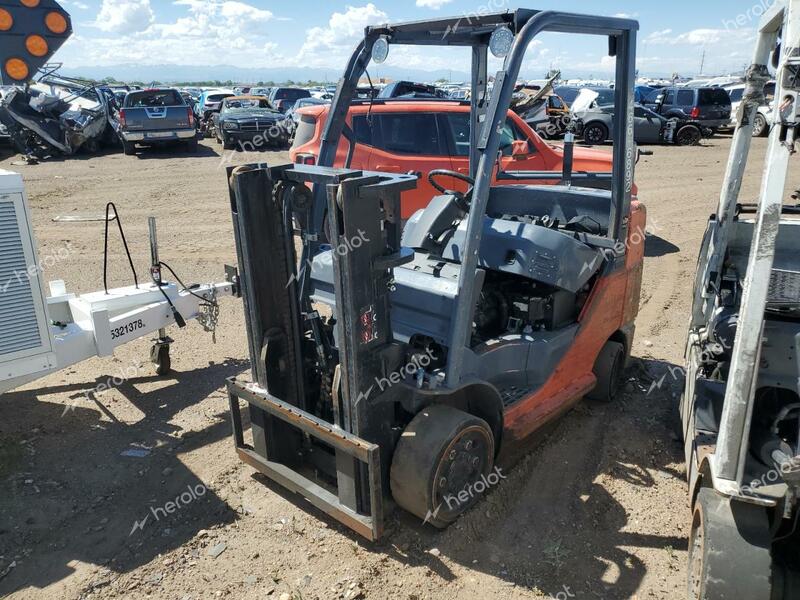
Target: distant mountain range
x,y
187,73
179,73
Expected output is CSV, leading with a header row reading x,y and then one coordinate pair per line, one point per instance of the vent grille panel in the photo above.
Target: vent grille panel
x,y
19,327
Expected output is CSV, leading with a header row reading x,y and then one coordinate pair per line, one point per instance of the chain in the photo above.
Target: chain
x,y
209,315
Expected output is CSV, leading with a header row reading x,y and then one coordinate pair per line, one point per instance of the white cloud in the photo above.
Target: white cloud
x,y
211,32
699,37
124,16
434,4
219,18
328,45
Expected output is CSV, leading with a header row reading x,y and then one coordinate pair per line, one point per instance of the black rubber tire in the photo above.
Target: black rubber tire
x,y
760,126
688,135
162,360
442,452
226,143
595,134
608,368
128,148
191,146
729,550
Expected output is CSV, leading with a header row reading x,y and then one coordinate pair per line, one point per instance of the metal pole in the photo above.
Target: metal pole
x,y
478,103
155,263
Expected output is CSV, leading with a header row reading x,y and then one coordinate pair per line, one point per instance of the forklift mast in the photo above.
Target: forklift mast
x,y
740,408
782,20
488,115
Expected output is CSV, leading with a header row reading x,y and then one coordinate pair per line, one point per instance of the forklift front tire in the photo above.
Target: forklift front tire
x,y
608,371
442,464
729,550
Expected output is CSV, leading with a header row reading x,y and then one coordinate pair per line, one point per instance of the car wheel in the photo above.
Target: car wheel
x,y
128,148
760,126
688,135
226,143
595,133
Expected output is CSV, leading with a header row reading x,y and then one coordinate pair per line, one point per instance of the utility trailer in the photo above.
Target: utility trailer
x,y
391,366
741,403
41,334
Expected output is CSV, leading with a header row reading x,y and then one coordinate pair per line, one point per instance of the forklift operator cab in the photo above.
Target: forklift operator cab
x,y
395,365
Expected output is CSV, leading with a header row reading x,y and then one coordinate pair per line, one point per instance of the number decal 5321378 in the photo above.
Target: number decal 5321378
x,y
118,332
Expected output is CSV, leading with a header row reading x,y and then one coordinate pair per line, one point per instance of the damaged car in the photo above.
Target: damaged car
x,y
58,116
594,123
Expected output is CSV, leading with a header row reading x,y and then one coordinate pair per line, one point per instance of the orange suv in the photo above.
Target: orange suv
x,y
402,136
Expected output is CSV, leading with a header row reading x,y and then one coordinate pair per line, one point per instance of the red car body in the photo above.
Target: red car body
x,y
420,136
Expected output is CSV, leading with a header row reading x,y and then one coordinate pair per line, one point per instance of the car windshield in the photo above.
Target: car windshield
x,y
716,96
245,104
291,94
217,97
605,96
151,98
309,102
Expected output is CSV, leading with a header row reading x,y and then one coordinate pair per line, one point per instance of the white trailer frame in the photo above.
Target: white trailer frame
x,y
74,328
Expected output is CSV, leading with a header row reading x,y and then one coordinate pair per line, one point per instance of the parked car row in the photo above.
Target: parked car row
x,y
160,116
665,115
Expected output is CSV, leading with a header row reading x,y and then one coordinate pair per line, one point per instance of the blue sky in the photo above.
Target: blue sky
x,y
317,33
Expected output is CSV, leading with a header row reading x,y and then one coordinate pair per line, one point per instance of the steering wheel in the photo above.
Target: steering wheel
x,y
462,198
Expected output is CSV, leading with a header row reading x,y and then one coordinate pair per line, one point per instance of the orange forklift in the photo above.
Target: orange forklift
x,y
391,364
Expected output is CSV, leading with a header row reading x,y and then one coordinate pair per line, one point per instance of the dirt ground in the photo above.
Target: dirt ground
x,y
595,507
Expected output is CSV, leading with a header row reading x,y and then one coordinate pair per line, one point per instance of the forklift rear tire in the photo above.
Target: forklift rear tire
x,y
442,464
729,550
128,148
608,370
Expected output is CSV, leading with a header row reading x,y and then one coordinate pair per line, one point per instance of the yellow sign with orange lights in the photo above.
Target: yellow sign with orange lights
x,y
30,33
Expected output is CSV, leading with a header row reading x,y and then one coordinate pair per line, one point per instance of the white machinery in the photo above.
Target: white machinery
x,y
40,334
